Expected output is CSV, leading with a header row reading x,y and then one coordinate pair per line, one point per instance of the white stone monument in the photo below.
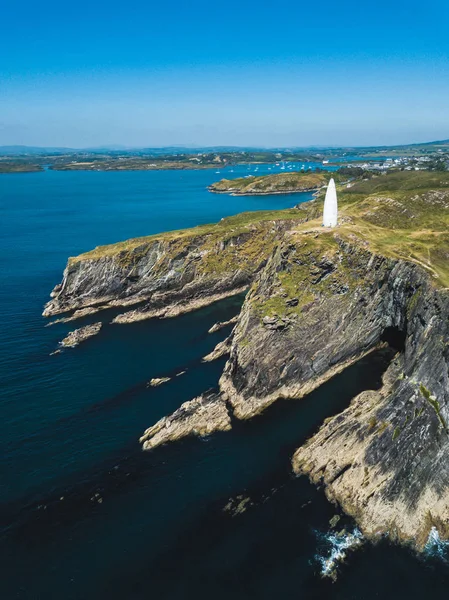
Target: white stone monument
x,y
330,212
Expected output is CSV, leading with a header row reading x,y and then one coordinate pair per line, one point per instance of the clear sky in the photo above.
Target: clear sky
x,y
146,73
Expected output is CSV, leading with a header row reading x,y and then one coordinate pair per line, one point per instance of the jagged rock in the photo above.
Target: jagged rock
x,y
201,416
221,349
222,324
158,381
175,309
385,458
275,323
78,314
169,274
80,335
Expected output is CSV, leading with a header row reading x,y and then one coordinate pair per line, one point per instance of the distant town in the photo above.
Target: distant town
x,y
433,156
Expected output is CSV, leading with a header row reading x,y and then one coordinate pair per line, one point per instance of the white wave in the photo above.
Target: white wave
x,y
337,546
435,546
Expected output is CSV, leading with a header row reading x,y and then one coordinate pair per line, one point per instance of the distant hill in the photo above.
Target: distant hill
x,y
20,150
35,150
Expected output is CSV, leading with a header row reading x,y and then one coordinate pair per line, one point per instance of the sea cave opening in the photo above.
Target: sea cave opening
x,y
395,338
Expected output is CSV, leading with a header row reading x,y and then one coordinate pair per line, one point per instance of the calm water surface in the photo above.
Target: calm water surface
x,y
85,514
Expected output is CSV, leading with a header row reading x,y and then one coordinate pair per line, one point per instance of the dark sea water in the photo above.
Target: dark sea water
x,y
84,513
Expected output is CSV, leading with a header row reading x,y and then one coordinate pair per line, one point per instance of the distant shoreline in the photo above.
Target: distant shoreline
x,y
274,193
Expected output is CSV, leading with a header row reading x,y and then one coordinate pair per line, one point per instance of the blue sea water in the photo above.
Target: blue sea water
x,y
86,514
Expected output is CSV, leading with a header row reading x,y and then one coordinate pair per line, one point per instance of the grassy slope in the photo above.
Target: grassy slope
x,y
400,215
279,182
235,225
9,167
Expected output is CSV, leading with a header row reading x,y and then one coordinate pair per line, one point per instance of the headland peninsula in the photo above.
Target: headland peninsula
x,y
317,301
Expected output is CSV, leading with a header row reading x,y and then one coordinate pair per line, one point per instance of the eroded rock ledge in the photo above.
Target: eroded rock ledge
x,y
201,416
81,335
172,273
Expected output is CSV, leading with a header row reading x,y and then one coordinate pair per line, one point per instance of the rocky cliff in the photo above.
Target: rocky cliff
x,y
174,272
320,300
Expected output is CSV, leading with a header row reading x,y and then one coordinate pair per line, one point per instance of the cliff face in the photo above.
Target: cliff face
x,y
385,458
319,305
320,300
171,273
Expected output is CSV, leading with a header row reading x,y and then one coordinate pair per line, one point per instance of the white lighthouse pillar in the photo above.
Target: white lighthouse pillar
x,y
330,212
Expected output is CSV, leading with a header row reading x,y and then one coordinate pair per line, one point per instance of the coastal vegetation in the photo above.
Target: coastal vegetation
x,y
19,167
279,183
400,215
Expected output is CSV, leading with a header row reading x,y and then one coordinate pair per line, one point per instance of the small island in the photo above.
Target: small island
x,y
280,183
19,167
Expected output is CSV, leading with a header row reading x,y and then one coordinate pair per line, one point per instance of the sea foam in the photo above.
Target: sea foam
x,y
435,546
335,550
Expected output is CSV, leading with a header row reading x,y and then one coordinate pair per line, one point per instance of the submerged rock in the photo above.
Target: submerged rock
x,y
238,505
80,335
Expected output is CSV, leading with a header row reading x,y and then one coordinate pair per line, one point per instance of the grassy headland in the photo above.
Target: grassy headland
x,y
279,183
400,215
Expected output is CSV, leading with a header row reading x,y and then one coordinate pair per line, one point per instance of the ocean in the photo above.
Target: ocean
x,y
85,513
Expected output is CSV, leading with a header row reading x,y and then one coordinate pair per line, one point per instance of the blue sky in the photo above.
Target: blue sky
x,y
236,73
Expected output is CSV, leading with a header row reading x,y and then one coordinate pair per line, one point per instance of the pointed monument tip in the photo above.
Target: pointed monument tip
x,y
330,212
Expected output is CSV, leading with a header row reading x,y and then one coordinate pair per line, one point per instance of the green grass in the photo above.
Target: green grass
x,y
402,215
228,226
279,182
434,404
401,181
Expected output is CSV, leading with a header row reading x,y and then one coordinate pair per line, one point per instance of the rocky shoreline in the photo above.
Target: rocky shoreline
x,y
319,300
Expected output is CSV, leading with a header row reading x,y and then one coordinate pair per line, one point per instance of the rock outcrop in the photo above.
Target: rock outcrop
x,y
385,458
172,273
80,335
157,381
221,324
221,349
201,416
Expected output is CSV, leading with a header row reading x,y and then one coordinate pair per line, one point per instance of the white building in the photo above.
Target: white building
x,y
330,212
